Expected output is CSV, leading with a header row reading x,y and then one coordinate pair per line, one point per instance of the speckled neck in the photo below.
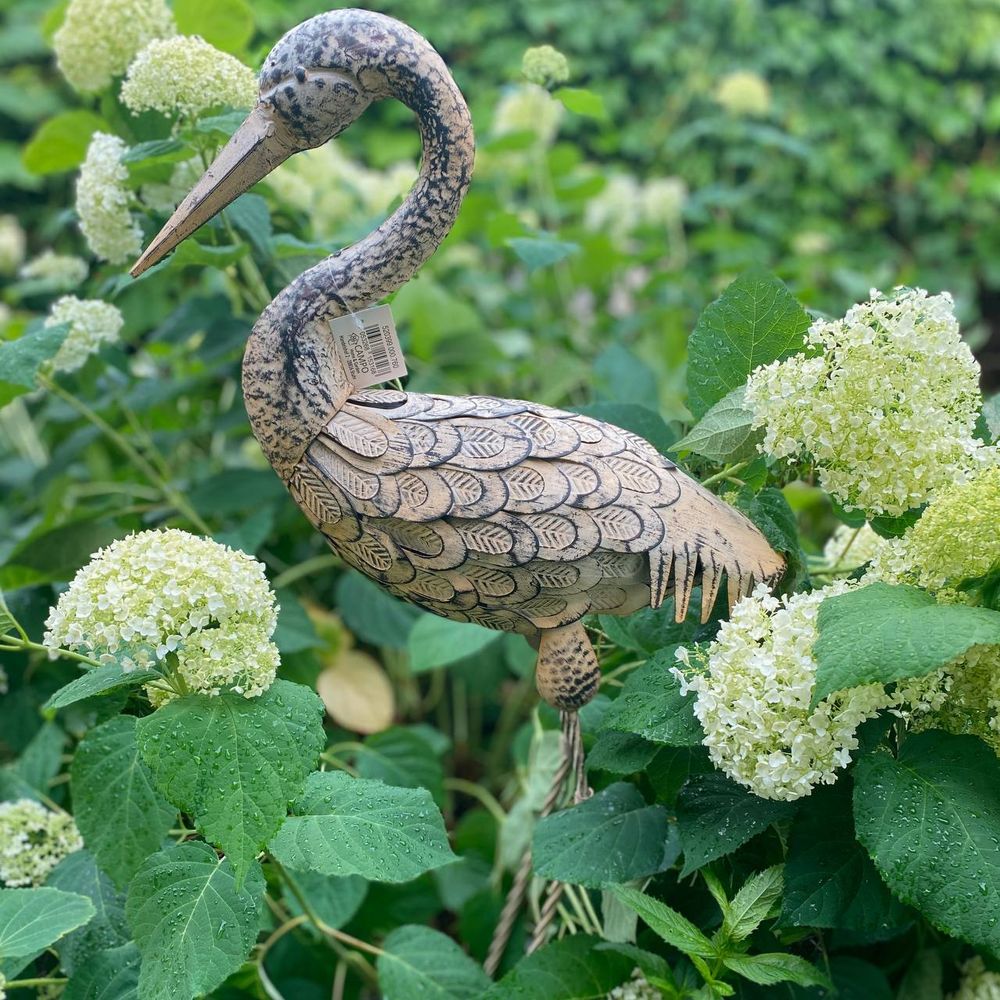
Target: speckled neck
x,y
293,379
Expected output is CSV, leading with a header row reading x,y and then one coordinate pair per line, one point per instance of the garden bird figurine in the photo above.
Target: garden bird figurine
x,y
510,514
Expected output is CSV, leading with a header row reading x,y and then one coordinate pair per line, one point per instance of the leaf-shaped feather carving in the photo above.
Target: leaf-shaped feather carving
x,y
313,495
358,435
634,475
484,536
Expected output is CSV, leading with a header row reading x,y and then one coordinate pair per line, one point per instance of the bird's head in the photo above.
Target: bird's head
x,y
315,82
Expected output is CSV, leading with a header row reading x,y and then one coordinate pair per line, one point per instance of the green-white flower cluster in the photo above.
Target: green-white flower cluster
x,y
102,201
56,269
12,243
884,401
626,204
92,324
850,548
528,108
184,75
545,66
753,685
978,982
637,988
99,38
33,840
189,606
744,93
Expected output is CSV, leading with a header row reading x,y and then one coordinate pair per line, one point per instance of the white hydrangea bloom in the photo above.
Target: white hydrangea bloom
x,y
884,401
176,602
849,548
33,840
617,208
744,93
92,323
545,66
637,988
753,685
528,108
61,270
102,202
978,982
662,200
184,75
12,242
99,38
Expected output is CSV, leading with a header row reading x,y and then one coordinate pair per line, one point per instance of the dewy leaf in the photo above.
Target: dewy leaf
x,y
675,929
753,903
354,826
755,321
715,816
99,680
437,642
929,820
777,967
33,919
829,879
78,872
192,924
882,633
573,968
20,359
723,434
421,962
235,763
611,837
109,975
651,705
120,814
404,758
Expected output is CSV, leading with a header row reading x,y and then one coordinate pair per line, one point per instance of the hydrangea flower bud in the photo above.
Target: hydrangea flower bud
x,y
33,840
545,66
978,982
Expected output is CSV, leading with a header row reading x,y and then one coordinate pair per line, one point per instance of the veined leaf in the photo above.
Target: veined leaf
x,y
675,929
421,962
99,680
724,433
33,919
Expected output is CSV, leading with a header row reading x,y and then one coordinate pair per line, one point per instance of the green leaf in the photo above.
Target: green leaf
x,y
156,152
542,252
32,920
437,642
574,968
192,923
715,816
31,774
226,24
829,879
120,814
675,929
334,900
99,680
193,253
881,634
251,217
78,872
582,102
109,975
651,705
754,901
611,837
929,820
777,967
620,753
419,961
771,512
60,143
295,631
20,359
923,978
403,758
373,615
754,321
235,763
8,623
724,433
354,826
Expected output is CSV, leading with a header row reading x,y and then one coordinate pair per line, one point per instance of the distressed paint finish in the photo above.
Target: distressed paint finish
x,y
510,514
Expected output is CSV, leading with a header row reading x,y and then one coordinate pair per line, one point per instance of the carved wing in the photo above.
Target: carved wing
x,y
516,515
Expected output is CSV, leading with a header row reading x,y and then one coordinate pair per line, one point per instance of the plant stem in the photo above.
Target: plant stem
x,y
21,984
325,561
729,470
9,643
481,795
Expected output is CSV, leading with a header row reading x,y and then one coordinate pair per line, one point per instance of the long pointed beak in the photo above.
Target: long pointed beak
x,y
254,150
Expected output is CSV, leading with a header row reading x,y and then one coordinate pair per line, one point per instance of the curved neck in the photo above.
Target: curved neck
x,y
293,379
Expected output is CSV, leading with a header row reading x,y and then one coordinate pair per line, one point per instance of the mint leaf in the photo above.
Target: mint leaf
x,y
611,837
192,923
724,433
98,680
235,763
777,967
755,321
421,962
881,634
651,705
120,814
715,816
929,820
437,642
355,826
751,905
675,929
34,919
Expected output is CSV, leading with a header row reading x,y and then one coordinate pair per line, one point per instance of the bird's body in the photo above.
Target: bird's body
x,y
510,514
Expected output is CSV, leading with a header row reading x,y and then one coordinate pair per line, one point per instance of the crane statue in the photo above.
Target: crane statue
x,y
507,513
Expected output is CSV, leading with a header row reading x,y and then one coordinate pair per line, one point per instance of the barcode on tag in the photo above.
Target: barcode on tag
x,y
369,346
